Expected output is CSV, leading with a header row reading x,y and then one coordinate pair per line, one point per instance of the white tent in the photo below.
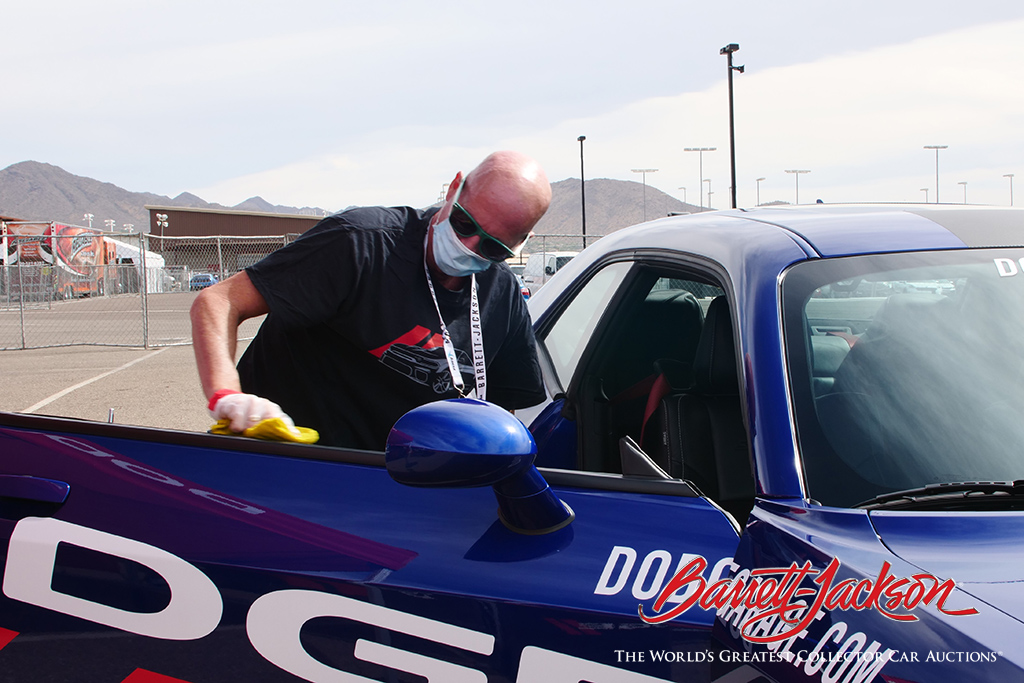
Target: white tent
x,y
154,263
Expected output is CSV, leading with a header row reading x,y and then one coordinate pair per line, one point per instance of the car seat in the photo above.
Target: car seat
x,y
698,434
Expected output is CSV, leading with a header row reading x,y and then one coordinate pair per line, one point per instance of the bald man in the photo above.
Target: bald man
x,y
375,311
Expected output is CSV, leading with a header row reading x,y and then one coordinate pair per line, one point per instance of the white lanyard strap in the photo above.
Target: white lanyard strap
x,y
476,336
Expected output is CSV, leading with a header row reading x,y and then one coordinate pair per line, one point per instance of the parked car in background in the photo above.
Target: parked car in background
x,y
758,462
201,281
541,265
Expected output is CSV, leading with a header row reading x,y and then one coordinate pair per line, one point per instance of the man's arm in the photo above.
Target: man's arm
x,y
216,314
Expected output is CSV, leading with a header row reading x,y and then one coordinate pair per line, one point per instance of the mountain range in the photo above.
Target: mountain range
x,y
36,191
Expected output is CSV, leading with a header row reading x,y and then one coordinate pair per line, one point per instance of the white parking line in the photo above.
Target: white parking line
x,y
47,401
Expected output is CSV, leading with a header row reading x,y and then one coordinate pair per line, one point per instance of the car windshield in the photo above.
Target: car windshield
x,y
906,370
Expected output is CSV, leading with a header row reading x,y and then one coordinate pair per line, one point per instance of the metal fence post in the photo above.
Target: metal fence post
x,y
143,246
53,267
21,302
220,261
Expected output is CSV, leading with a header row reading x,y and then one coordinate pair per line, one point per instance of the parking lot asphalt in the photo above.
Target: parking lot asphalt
x,y
96,361
157,387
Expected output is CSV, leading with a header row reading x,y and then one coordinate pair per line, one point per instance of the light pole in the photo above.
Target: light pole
x,y
796,173
727,51
161,222
88,217
708,181
583,199
925,190
700,165
110,223
643,174
1010,176
936,148
964,183
758,181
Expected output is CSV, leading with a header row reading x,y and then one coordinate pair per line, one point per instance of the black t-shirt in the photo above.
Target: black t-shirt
x,y
353,340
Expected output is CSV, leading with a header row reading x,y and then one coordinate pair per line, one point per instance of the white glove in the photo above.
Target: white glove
x,y
247,410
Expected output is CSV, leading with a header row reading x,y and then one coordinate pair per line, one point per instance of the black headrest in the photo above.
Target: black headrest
x,y
715,363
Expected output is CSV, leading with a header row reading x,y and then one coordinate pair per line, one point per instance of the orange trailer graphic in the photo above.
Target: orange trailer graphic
x,y
83,262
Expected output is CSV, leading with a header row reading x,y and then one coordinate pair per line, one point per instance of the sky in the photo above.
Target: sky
x,y
333,103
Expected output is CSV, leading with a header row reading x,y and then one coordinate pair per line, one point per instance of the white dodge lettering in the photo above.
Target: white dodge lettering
x,y
275,620
193,612
1006,267
651,575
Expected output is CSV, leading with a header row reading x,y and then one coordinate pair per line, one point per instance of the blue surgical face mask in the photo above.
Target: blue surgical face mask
x,y
452,256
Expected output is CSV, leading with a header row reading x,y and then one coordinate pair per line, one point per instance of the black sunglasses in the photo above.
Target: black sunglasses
x,y
464,225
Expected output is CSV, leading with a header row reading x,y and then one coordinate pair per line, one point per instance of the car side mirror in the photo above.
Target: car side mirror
x,y
549,270
466,443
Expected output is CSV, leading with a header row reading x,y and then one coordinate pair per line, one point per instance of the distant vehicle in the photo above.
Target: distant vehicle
x,y
522,287
201,281
85,261
540,266
517,268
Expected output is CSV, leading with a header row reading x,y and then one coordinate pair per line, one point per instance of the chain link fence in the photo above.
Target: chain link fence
x,y
66,285
551,243
69,285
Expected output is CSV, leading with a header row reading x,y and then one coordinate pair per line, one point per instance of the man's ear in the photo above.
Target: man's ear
x,y
446,208
453,187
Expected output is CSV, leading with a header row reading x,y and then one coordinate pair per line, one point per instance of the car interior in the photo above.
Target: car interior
x,y
658,396
905,384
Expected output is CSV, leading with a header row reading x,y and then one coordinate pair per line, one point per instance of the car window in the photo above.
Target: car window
x,y
907,371
565,340
647,370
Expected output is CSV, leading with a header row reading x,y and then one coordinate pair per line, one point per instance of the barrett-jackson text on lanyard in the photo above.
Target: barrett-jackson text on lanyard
x,y
476,336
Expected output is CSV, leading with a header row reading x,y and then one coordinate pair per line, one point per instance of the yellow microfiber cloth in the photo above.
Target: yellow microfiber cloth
x,y
273,429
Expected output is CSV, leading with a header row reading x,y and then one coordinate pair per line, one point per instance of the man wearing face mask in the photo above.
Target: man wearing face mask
x,y
378,310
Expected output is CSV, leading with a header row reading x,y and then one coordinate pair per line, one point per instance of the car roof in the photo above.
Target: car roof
x,y
834,230
824,230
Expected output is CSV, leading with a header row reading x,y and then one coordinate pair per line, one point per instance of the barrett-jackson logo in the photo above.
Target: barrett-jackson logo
x,y
776,592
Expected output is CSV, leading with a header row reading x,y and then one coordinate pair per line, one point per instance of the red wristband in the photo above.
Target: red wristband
x,y
218,395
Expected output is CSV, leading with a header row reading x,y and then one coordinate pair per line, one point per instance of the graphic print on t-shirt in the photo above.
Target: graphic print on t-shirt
x,y
419,355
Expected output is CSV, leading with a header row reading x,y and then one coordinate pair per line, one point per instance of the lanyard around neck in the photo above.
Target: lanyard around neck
x,y
476,335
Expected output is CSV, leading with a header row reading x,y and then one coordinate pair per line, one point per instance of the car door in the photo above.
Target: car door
x,y
144,556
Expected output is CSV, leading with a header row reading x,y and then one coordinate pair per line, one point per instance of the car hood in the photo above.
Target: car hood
x,y
981,551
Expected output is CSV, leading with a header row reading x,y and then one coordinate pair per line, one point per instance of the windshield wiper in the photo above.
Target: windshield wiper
x,y
959,495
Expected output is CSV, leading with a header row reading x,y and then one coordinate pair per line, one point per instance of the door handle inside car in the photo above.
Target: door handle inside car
x,y
36,489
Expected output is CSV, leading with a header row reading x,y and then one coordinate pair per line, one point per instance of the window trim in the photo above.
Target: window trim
x,y
64,425
696,267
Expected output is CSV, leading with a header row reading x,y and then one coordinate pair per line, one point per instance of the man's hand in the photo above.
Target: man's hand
x,y
247,410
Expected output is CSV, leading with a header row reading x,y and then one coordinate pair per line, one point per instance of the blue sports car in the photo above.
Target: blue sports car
x,y
781,444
